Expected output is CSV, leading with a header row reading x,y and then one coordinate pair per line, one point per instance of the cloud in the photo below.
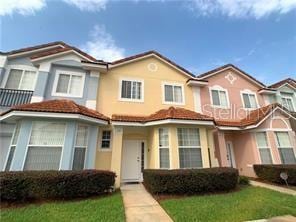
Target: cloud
x,y
88,5
241,8
23,7
102,45
251,52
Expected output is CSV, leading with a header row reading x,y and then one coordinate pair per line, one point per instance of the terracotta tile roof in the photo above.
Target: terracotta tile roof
x,y
60,45
150,53
291,81
229,66
253,118
163,114
58,106
50,52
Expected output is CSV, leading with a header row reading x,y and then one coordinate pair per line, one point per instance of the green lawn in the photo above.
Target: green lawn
x,y
250,203
109,208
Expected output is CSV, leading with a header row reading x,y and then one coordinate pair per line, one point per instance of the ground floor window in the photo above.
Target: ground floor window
x,y
285,148
164,151
264,149
189,148
45,146
80,147
12,147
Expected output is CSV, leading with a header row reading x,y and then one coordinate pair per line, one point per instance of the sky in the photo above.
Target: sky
x,y
258,36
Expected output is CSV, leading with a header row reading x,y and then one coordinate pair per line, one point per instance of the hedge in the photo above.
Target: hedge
x,y
190,181
32,185
272,173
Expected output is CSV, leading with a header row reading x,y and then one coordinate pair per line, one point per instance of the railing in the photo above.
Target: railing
x,y
13,97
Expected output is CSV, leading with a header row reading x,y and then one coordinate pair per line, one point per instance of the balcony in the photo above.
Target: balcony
x,y
13,97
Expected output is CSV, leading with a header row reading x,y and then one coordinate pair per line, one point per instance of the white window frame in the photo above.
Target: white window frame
x,y
23,68
131,99
85,147
172,84
249,92
190,147
288,97
268,146
219,88
164,147
102,149
278,145
70,73
29,145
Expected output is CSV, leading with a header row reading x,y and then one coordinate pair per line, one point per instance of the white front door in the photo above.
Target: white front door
x,y
230,154
131,161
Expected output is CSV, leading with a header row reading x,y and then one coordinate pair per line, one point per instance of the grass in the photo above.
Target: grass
x,y
108,208
250,203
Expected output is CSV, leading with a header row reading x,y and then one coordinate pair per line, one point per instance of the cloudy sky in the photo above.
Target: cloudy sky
x,y
259,36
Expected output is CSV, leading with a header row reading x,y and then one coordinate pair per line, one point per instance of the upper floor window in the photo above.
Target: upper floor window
x,y
287,101
173,93
131,90
69,84
106,140
249,100
21,79
219,97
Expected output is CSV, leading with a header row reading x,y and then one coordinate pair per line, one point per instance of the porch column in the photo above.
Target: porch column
x,y
68,149
204,148
19,157
211,145
91,148
222,149
116,153
174,148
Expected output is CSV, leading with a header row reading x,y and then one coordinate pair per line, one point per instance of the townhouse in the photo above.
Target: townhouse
x,y
63,109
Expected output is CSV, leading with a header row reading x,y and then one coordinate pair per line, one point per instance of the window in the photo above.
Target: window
x,y
69,84
287,101
80,147
45,146
164,151
263,147
285,148
249,100
131,90
173,93
21,79
106,139
12,147
189,148
219,98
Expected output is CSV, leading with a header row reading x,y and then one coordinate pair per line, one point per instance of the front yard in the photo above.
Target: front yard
x,y
108,208
250,203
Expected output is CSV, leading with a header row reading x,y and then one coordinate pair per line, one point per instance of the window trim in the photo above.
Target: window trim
x,y
23,68
163,84
268,146
101,138
86,147
28,143
131,99
190,147
167,147
249,92
288,97
278,145
71,73
219,88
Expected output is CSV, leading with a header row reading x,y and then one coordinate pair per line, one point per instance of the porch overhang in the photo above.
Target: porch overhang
x,y
162,122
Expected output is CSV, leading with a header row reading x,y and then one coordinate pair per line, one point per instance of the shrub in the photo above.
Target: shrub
x,y
272,173
190,181
31,185
242,180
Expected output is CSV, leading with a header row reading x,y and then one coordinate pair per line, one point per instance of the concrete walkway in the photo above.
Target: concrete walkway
x,y
140,205
287,218
273,187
